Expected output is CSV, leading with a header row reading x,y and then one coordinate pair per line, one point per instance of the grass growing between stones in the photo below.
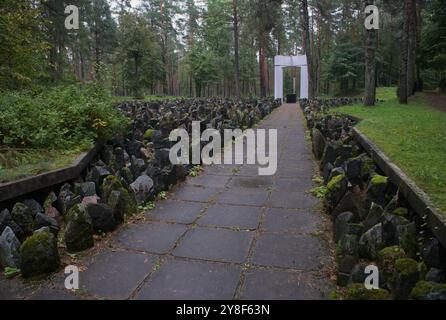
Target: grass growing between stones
x,y
413,136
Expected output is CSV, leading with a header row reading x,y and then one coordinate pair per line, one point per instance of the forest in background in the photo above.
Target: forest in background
x,y
221,47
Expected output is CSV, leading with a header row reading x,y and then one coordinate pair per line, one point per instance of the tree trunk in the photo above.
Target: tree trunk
x,y
403,90
319,49
97,55
263,70
412,43
164,50
419,19
137,93
370,65
236,48
307,45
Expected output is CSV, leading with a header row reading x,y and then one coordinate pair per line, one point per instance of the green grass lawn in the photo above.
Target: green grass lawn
x,y
413,136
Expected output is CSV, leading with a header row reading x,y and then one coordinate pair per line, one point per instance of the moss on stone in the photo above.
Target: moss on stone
x,y
111,183
79,230
130,202
401,212
422,269
39,255
357,291
368,166
22,215
406,266
423,288
387,258
335,182
391,254
149,134
379,180
127,175
50,199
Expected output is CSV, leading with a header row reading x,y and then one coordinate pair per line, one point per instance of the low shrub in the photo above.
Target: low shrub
x,y
61,118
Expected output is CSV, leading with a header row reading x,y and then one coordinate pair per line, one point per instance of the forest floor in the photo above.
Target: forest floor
x,y
226,234
413,136
437,100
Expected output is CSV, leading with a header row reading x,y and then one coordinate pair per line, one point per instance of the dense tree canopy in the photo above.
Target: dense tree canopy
x,y
221,47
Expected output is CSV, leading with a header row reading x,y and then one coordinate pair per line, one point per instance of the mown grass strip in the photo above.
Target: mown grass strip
x,y
413,136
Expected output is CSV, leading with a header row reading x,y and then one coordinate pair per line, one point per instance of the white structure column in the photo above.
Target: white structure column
x,y
281,62
278,85
304,82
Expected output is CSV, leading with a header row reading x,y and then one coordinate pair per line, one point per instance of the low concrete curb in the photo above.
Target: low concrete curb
x,y
14,189
416,197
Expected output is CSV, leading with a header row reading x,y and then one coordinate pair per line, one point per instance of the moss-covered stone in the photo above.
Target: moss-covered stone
x,y
149,134
335,183
336,189
407,238
50,200
374,216
407,274
112,183
376,191
318,143
391,254
406,266
427,290
347,253
357,291
368,166
401,212
22,215
117,204
359,168
379,180
126,173
79,230
343,225
387,258
331,152
371,242
39,255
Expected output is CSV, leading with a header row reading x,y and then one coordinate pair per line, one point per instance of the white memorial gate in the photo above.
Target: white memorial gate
x,y
281,62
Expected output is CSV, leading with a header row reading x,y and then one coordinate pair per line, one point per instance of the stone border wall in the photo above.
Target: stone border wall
x,y
17,188
417,198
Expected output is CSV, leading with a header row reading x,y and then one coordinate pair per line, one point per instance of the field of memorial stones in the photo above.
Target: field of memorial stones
x,y
130,171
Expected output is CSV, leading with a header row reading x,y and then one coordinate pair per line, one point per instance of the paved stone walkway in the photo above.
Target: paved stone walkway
x,y
226,234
